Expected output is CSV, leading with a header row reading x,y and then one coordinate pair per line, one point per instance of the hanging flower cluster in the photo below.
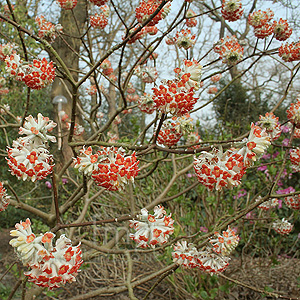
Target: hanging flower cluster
x,y
260,20
253,147
98,21
283,226
218,169
147,7
47,30
4,198
232,10
229,50
192,71
36,76
224,244
173,97
293,113
28,157
184,39
293,201
92,90
267,205
67,4
281,30
106,67
153,229
146,103
270,123
207,261
147,74
295,159
110,167
172,130
51,266
290,52
190,21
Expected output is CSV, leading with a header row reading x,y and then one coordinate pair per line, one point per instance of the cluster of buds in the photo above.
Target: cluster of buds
x,y
267,205
229,50
293,113
191,70
218,169
184,39
146,103
293,202
281,30
270,123
210,260
290,52
51,266
253,147
28,158
110,167
172,130
106,67
190,21
261,22
4,198
36,76
232,10
153,229
67,4
224,243
147,74
295,159
283,226
147,7
47,30
173,97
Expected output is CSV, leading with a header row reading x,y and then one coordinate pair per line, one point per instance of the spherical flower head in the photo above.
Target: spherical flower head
x,y
50,265
146,103
270,123
253,147
67,4
98,2
229,50
36,130
283,226
293,113
184,39
29,162
212,262
192,71
295,159
185,255
267,205
281,30
190,21
216,170
289,52
86,161
98,21
293,202
39,74
224,244
153,229
105,10
115,168
172,130
173,97
4,198
260,18
92,90
264,31
232,10
47,30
